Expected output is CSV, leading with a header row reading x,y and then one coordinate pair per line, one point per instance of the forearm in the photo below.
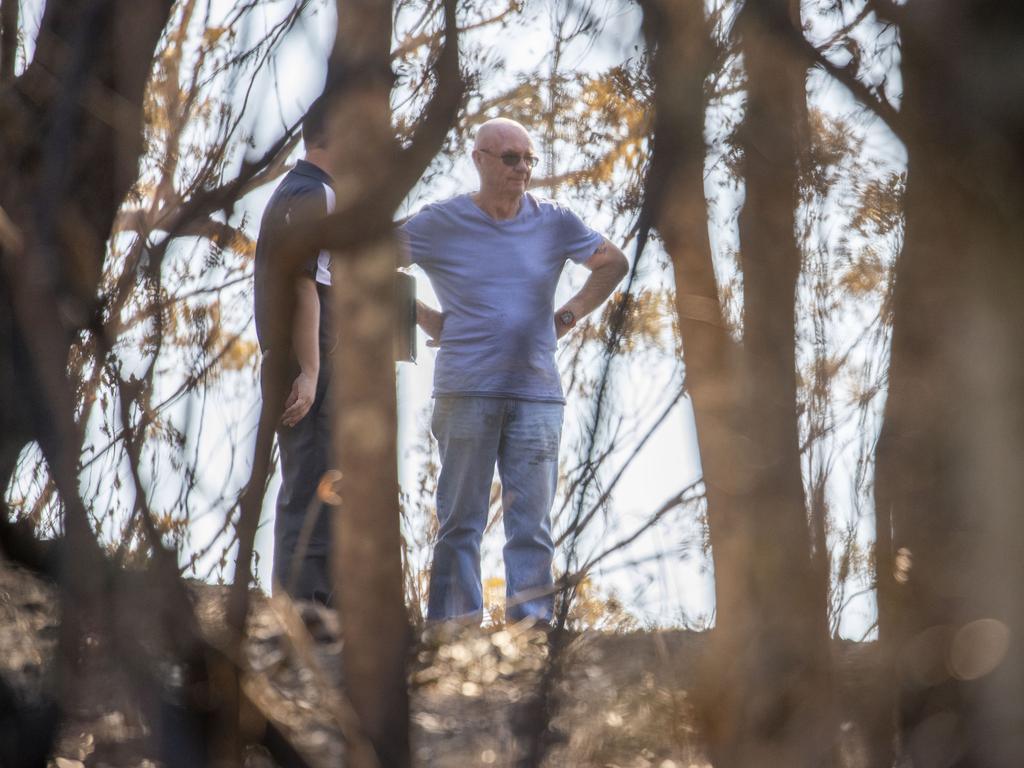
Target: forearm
x,y
598,287
608,266
429,319
306,328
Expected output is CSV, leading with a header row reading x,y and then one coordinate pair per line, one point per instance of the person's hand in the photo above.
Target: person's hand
x,y
431,321
299,401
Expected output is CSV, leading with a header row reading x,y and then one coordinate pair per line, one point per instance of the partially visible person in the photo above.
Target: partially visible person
x,y
494,258
302,535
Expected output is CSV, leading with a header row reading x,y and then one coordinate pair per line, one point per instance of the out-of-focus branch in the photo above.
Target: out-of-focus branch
x,y
184,628
685,496
888,11
413,42
875,101
801,47
221,233
19,544
11,237
582,522
439,114
8,38
252,174
334,699
846,29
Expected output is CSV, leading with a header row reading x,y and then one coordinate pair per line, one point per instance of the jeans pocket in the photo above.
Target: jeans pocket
x,y
440,415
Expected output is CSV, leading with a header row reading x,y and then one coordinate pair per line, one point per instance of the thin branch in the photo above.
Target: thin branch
x,y
802,47
439,114
684,496
888,11
8,38
876,102
415,41
582,523
846,29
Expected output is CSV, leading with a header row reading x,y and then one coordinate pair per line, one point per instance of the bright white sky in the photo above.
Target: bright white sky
x,y
662,590
664,577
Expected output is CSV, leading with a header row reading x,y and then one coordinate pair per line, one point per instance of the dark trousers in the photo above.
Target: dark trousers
x,y
302,527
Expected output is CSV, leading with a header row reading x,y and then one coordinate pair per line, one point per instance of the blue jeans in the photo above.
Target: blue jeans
x,y
301,566
522,437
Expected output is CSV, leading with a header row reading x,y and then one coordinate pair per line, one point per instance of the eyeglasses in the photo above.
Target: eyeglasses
x,y
512,159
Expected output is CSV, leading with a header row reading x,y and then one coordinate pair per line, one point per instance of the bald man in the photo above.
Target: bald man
x,y
494,258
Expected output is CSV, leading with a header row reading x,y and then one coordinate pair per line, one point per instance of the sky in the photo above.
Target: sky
x,y
663,578
661,582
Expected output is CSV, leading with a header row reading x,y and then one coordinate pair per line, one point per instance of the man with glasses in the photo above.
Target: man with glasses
x,y
494,258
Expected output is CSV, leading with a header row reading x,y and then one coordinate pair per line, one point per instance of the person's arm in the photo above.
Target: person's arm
x,y
306,346
415,239
431,321
607,267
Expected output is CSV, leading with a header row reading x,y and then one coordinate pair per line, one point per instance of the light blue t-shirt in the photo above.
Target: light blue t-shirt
x,y
496,283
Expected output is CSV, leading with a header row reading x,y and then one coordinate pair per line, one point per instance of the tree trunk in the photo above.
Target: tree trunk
x,y
788,712
70,141
682,61
765,697
368,545
949,480
368,539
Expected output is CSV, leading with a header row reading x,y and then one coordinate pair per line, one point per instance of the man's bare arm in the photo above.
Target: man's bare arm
x,y
607,267
306,345
431,321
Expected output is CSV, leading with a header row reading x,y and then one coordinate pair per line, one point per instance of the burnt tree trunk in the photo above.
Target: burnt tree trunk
x,y
949,481
765,697
71,128
70,142
788,712
364,411
375,176
683,58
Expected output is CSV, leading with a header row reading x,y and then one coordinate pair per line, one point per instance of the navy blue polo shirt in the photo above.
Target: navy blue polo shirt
x,y
304,194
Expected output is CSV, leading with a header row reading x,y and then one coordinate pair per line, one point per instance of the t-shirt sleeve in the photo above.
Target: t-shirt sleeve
x,y
578,240
307,206
416,235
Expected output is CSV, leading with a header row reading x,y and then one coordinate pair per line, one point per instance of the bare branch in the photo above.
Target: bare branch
x,y
439,114
888,11
685,496
413,42
875,101
581,522
8,38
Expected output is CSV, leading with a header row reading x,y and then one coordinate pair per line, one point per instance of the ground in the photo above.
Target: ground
x,y
618,699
